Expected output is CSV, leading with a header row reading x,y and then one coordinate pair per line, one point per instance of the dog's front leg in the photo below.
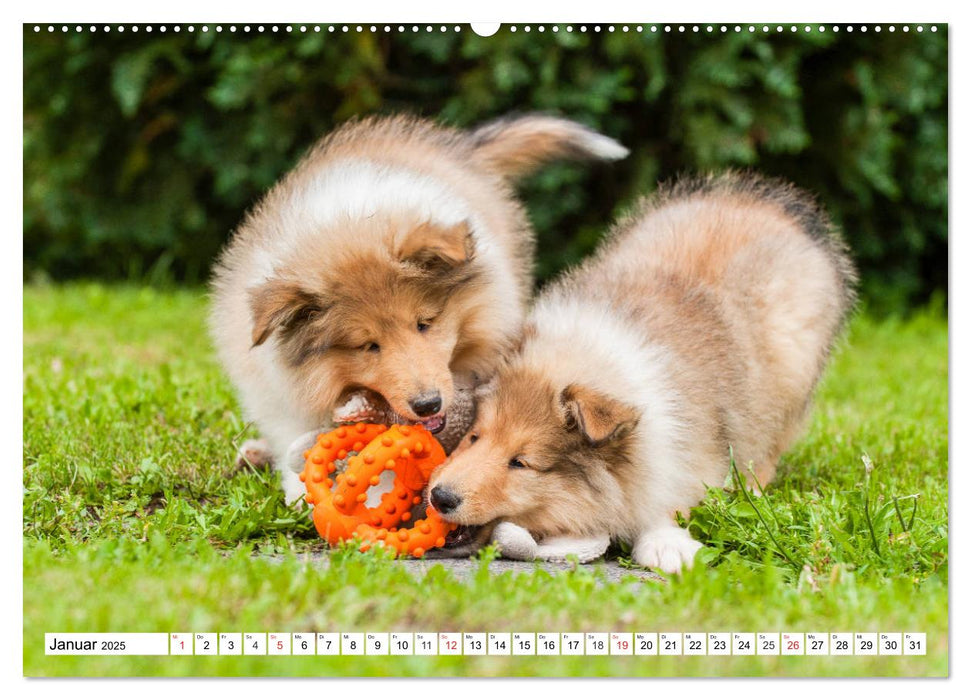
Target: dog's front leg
x,y
515,542
293,462
667,547
293,489
257,454
585,549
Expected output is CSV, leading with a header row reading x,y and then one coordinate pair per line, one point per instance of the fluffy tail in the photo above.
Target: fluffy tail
x,y
516,146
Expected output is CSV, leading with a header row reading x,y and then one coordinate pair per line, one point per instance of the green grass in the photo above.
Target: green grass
x,y
134,519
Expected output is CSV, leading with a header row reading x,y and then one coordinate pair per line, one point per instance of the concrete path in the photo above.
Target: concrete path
x,y
464,569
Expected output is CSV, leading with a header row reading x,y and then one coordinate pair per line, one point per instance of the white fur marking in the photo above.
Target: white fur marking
x,y
602,146
355,189
350,190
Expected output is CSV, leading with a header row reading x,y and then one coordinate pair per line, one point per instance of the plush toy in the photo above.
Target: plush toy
x,y
339,499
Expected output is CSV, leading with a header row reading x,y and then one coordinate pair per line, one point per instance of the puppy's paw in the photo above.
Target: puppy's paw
x,y
667,548
294,460
294,490
254,453
585,549
514,542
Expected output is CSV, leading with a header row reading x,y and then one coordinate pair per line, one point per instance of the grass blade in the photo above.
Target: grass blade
x,y
900,517
868,467
748,497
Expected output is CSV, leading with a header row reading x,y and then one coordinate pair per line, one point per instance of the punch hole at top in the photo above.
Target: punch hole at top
x,y
485,28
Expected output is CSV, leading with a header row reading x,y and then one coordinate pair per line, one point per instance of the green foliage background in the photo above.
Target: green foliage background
x,y
142,151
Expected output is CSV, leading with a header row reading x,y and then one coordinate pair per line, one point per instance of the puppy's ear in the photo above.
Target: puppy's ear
x,y
599,418
279,303
434,246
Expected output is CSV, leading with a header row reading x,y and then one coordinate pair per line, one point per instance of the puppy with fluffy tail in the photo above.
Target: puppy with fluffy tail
x,y
393,261
703,323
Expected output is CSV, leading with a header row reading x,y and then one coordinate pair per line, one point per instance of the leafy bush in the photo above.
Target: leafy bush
x,y
142,151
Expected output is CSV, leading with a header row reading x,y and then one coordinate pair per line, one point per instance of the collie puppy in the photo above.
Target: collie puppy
x,y
394,260
703,323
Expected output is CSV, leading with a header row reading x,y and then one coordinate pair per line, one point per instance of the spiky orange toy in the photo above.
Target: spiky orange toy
x,y
340,513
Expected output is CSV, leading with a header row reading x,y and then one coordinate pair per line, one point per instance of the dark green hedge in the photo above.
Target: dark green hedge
x,y
143,150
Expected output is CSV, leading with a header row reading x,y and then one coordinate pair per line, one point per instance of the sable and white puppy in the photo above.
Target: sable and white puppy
x,y
393,260
703,322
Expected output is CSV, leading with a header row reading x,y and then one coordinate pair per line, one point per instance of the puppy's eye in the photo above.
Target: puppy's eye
x,y
473,438
518,463
424,325
371,347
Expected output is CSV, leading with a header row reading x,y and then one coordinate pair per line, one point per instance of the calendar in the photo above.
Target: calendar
x,y
489,644
507,365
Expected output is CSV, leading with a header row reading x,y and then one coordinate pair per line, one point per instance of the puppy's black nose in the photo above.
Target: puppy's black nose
x,y
444,500
427,404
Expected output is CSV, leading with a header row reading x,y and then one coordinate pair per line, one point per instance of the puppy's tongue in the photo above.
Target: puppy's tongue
x,y
435,424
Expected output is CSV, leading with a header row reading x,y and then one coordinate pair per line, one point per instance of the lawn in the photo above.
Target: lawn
x,y
136,521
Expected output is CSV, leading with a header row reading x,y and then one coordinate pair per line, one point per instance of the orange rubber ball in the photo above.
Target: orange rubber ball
x,y
340,513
